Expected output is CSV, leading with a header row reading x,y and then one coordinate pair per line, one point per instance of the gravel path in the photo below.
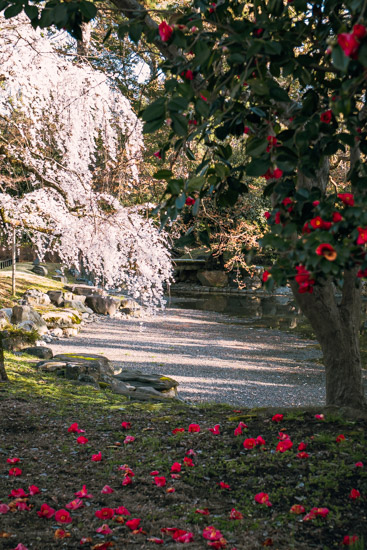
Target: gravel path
x,y
214,357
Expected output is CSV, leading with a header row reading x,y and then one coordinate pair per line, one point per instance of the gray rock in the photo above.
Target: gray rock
x,y
89,380
139,394
6,313
213,278
39,351
91,359
252,283
35,297
57,332
104,305
51,366
156,381
84,290
78,305
56,297
63,318
129,307
40,270
27,326
26,313
69,332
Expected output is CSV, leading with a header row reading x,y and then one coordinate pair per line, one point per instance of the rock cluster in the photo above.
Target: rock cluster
x,y
96,370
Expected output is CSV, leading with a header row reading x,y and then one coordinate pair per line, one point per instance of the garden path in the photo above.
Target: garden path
x,y
214,357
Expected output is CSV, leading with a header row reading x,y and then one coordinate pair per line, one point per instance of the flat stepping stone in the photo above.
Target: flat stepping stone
x,y
138,379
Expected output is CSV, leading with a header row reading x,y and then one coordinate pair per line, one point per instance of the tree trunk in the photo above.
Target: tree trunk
x,y
3,375
83,45
336,326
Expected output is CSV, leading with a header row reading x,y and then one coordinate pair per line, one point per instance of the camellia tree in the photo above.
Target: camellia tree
x,y
55,118
290,79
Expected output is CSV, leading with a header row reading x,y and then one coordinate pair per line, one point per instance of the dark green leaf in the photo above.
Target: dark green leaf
x,y
163,174
257,167
278,94
273,48
180,201
179,124
177,103
204,237
190,155
256,146
195,208
195,184
31,11
12,11
362,54
257,111
88,9
155,110
60,14
135,32
339,59
153,125
3,5
202,52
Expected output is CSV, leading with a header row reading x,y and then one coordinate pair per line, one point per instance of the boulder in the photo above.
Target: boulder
x,y
88,359
6,313
78,305
217,279
51,366
35,297
103,305
39,351
129,306
28,326
138,380
64,318
56,332
140,394
56,297
69,332
85,290
252,283
22,313
40,270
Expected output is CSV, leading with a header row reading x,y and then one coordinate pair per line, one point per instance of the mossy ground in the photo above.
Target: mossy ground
x,y
36,410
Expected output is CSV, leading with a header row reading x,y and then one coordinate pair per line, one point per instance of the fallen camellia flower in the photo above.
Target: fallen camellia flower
x,y
74,428
178,430
83,493
349,540
97,457
277,417
104,530
302,455
175,476
20,546
176,467
21,505
81,440
262,498
284,446
84,540
203,511
125,468
179,535
211,533
121,510
129,439
340,438
188,462
354,494
156,540
4,508
235,514
15,472
12,460
18,493
160,481
75,504
154,473
358,464
224,485
61,534
194,428
215,430
249,443
170,490
46,511
190,452
63,516
297,509
107,490
302,446
103,545
33,490
126,481
315,512
125,425
319,417
260,440
105,513
133,523
282,436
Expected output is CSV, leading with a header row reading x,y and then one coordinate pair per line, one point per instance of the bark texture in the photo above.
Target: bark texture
x,y
3,375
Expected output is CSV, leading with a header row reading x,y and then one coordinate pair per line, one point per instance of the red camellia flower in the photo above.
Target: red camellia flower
x,y
362,273
189,201
235,514
346,198
22,505
33,490
4,508
194,428
267,215
211,533
189,75
273,174
318,223
327,251
18,493
190,452
284,446
20,546
158,155
278,417
224,485
358,464
188,462
165,31
303,454
15,472
129,439
125,425
215,430
282,436
107,490
104,530
193,122
359,31
340,438
12,460
176,467
326,116
354,494
260,440
319,417
160,481
297,509
126,481
178,430
133,523
74,428
82,440
61,534
302,446
249,443
349,44
170,490
156,540
105,513
46,511
303,279
97,457
362,237
75,504
122,511
202,512
246,130
265,276
349,540
337,217
262,498
63,516
83,493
